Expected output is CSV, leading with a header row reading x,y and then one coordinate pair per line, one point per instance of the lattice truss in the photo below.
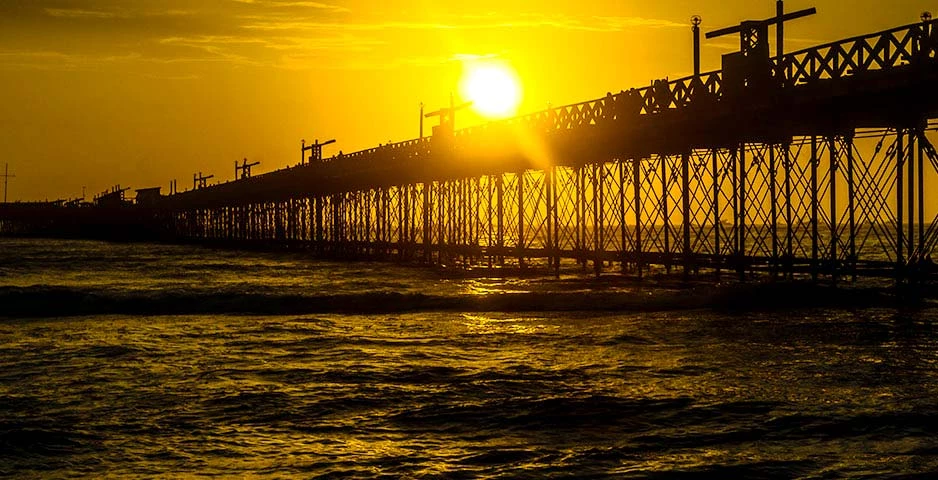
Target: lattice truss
x,y
833,198
433,215
929,239
306,226
247,220
533,191
452,212
371,209
361,216
874,157
238,219
414,210
281,220
758,192
337,230
589,202
268,217
349,216
849,183
703,169
567,209
444,213
612,204
510,208
253,212
251,220
291,219
206,226
380,212
394,202
294,219
486,226
352,217
723,237
243,221
660,204
276,220
476,200
224,218
586,204
215,217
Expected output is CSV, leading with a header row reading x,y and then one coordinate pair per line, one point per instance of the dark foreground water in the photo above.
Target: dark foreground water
x,y
97,379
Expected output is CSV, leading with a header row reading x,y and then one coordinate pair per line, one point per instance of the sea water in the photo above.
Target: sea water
x,y
141,360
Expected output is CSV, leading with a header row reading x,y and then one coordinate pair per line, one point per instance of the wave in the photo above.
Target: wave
x,y
60,301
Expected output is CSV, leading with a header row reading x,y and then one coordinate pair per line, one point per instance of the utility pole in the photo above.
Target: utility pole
x,y
695,22
780,30
6,181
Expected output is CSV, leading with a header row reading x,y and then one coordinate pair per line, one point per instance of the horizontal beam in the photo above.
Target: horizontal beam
x,y
769,21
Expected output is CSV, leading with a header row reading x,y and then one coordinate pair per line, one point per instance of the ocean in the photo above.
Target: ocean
x,y
161,361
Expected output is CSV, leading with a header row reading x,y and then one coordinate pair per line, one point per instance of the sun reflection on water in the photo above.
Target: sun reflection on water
x,y
483,325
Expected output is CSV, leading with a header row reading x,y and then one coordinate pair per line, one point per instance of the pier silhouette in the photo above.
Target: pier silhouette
x,y
811,162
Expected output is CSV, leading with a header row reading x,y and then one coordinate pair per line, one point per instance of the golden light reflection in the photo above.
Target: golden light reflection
x,y
483,325
493,88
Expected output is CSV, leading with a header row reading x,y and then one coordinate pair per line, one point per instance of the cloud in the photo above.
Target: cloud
x,y
594,24
81,13
291,34
56,60
295,4
621,23
116,13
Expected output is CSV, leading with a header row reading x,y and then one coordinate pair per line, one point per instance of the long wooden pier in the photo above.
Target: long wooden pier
x,y
814,163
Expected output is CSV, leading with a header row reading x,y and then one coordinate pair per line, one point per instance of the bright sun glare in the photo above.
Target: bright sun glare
x,y
492,88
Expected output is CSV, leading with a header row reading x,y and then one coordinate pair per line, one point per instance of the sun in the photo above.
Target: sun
x,y
493,89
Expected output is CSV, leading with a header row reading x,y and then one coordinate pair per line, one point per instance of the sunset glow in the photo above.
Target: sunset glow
x,y
87,85
493,89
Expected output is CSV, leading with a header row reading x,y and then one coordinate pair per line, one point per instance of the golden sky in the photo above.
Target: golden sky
x,y
139,92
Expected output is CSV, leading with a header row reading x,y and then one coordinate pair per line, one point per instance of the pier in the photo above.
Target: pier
x,y
810,163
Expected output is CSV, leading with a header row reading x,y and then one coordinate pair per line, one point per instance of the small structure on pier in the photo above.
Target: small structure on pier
x,y
112,198
149,197
243,170
750,69
315,151
447,126
200,181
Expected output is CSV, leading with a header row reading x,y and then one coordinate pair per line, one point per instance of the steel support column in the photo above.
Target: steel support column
x,y
685,212
834,220
717,224
637,190
900,241
814,209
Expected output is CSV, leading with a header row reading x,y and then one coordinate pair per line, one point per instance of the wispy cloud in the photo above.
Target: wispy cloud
x,y
594,24
82,13
56,60
290,34
216,48
621,23
295,4
116,13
